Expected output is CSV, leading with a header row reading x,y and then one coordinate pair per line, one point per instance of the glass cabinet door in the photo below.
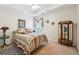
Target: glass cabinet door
x,y
70,31
65,31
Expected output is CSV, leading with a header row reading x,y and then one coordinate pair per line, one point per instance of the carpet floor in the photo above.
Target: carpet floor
x,y
52,48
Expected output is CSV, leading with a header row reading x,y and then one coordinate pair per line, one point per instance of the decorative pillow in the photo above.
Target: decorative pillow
x,y
24,31
21,31
28,30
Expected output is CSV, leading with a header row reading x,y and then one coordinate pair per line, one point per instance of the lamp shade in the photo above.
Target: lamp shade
x,y
4,28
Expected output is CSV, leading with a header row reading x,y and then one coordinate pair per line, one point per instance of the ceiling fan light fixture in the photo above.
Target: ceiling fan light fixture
x,y
35,7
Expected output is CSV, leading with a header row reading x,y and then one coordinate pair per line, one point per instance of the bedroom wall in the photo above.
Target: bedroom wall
x,y
9,17
67,12
78,27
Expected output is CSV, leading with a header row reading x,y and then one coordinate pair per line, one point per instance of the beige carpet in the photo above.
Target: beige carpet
x,y
53,48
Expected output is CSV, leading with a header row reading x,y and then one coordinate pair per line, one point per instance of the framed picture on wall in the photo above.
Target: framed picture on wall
x,y
21,23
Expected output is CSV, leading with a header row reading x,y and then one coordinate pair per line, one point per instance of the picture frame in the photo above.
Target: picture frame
x,y
47,21
21,23
52,23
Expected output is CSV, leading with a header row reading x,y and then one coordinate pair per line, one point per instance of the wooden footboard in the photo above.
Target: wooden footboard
x,y
37,42
34,43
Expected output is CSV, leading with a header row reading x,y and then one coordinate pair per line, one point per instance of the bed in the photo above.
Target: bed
x,y
29,42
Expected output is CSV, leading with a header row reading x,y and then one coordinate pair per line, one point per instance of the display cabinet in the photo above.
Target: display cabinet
x,y
65,32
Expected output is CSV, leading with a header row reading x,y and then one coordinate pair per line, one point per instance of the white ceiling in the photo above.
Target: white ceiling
x,y
27,9
44,8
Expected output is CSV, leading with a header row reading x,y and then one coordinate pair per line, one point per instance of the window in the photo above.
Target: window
x,y
38,26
